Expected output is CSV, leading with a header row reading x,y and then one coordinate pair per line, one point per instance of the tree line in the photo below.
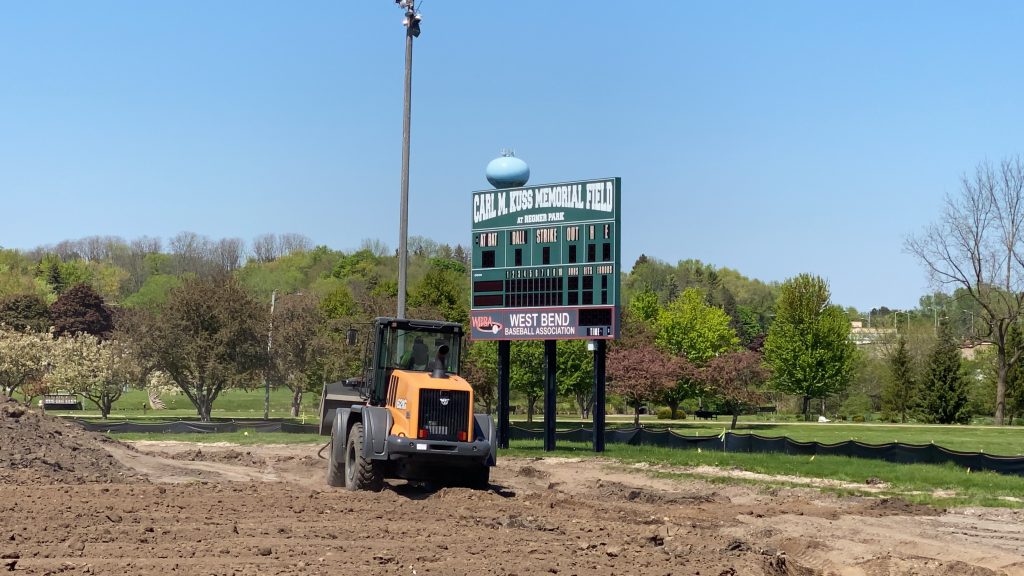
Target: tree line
x,y
195,314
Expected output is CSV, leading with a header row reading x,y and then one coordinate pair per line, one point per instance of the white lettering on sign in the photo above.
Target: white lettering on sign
x,y
567,196
520,200
554,319
522,320
601,196
598,196
483,207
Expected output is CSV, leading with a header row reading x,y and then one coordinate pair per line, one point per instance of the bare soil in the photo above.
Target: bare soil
x,y
76,503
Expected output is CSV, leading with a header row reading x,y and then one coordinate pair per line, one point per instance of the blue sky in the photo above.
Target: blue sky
x,y
770,137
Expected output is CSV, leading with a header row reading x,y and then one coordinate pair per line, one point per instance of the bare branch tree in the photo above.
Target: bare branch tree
x,y
978,246
375,246
192,253
264,248
228,253
291,243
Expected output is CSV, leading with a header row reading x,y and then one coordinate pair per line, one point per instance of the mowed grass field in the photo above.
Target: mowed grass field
x,y
230,404
1002,441
946,485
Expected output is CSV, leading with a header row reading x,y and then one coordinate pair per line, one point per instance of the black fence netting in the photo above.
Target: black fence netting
x,y
186,426
729,442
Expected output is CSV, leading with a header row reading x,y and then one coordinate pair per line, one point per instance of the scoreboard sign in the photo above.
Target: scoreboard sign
x,y
546,262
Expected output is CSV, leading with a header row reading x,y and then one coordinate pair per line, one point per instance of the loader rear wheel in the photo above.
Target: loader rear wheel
x,y
361,473
336,464
479,478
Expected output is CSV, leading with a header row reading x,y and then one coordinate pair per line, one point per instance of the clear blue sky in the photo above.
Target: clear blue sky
x,y
769,137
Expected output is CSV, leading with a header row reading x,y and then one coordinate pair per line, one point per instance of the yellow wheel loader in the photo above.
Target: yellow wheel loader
x,y
410,415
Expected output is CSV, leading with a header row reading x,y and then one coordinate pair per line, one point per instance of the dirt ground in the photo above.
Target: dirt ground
x,y
73,502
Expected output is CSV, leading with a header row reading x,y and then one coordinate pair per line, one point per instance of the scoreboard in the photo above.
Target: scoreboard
x,y
546,262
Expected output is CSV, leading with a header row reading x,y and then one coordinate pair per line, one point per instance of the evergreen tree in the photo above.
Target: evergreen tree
x,y
945,386
899,396
1015,377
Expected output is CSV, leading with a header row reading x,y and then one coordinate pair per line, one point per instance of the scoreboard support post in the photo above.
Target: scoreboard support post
x,y
550,393
599,400
504,357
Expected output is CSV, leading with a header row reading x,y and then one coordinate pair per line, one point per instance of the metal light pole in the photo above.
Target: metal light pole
x,y
412,30
971,312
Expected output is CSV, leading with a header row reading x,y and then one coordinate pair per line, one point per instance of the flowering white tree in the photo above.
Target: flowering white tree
x,y
97,369
22,359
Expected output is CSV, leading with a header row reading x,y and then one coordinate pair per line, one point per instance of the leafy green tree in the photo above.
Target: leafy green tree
x,y
644,306
338,302
299,341
360,264
526,373
480,368
80,310
153,293
945,387
210,336
690,328
900,394
650,275
575,374
808,346
18,274
24,312
749,326
444,287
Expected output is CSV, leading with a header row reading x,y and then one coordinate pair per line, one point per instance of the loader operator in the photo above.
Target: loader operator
x,y
418,358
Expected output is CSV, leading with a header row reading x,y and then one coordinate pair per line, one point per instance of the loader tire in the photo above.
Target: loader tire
x,y
336,464
361,473
479,478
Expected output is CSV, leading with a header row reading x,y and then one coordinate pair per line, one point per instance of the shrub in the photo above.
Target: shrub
x,y
664,413
858,418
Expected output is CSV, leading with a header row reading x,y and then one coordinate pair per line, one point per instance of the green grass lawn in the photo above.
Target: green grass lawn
x,y
247,438
922,483
230,404
1004,441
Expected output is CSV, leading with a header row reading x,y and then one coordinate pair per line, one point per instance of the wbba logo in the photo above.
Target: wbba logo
x,y
486,324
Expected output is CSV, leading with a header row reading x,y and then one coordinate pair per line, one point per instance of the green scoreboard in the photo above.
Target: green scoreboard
x,y
546,262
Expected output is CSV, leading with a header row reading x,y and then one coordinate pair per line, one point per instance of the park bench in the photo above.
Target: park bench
x,y
706,415
61,401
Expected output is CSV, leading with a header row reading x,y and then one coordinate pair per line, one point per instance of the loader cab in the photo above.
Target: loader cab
x,y
414,345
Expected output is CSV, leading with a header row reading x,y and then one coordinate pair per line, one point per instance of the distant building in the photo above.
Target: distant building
x,y
860,335
970,351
